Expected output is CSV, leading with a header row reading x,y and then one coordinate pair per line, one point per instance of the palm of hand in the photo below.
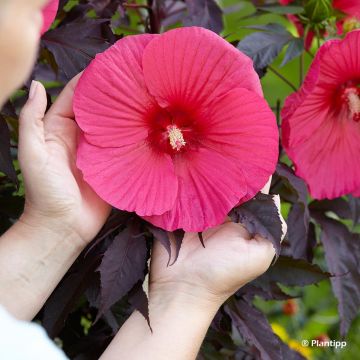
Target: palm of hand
x,y
230,259
54,186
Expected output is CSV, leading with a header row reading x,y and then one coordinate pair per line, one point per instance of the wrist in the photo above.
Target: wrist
x,y
171,295
56,229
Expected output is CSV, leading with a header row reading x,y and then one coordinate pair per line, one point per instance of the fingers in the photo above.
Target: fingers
x,y
63,106
31,126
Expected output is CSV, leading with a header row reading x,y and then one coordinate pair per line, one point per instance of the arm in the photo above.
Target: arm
x,y
62,214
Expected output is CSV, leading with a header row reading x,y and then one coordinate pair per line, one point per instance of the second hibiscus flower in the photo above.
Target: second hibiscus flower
x,y
321,122
175,128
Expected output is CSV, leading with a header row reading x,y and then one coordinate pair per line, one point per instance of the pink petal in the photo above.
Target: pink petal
x,y
210,185
131,178
243,128
111,100
328,157
350,7
193,66
340,60
49,14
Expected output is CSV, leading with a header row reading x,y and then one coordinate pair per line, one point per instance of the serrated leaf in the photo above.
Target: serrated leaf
x,y
6,163
255,329
273,292
260,216
342,254
292,272
122,266
292,181
338,206
204,13
75,44
178,236
302,240
163,237
264,47
294,50
139,300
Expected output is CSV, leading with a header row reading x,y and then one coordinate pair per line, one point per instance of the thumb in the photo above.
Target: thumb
x,y
31,126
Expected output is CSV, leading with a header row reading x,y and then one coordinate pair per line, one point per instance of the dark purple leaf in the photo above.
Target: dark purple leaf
x,y
342,253
292,272
201,239
294,50
260,216
178,236
162,236
75,44
294,183
254,328
338,206
301,238
68,292
6,163
204,13
122,266
354,204
264,46
139,300
273,292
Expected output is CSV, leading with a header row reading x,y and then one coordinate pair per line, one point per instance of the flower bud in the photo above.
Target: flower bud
x,y
318,10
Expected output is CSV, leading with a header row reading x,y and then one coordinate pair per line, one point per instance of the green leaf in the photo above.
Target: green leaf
x,y
282,10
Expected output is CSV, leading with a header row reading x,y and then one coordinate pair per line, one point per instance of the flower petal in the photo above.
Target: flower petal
x,y
210,185
131,178
239,124
326,156
340,60
193,66
350,7
49,14
111,100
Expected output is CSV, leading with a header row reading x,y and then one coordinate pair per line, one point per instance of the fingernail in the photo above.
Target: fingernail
x,y
33,88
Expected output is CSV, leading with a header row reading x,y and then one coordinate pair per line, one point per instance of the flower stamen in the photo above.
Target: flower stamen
x,y
353,100
176,137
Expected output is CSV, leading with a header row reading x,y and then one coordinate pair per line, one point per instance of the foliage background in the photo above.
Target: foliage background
x,y
298,299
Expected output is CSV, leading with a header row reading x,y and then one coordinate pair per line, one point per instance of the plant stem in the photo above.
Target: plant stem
x,y
283,78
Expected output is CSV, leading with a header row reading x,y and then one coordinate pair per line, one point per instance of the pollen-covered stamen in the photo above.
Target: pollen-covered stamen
x,y
353,100
176,137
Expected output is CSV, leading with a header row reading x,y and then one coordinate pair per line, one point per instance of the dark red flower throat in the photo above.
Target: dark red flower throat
x,y
173,130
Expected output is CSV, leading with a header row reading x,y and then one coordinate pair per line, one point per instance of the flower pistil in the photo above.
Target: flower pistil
x,y
353,101
176,137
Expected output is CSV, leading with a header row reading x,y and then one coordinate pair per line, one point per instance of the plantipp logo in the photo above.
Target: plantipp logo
x,y
321,343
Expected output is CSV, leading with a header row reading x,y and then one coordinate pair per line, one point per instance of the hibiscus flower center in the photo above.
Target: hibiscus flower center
x,y
350,100
353,99
173,130
176,137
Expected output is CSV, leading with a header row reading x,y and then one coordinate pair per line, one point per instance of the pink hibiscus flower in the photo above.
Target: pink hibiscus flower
x,y
49,13
175,128
321,122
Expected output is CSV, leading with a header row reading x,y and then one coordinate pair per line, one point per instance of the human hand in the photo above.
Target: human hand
x,y
56,195
208,276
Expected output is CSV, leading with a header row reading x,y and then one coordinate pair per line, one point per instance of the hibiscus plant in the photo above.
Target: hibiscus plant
x,y
185,109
